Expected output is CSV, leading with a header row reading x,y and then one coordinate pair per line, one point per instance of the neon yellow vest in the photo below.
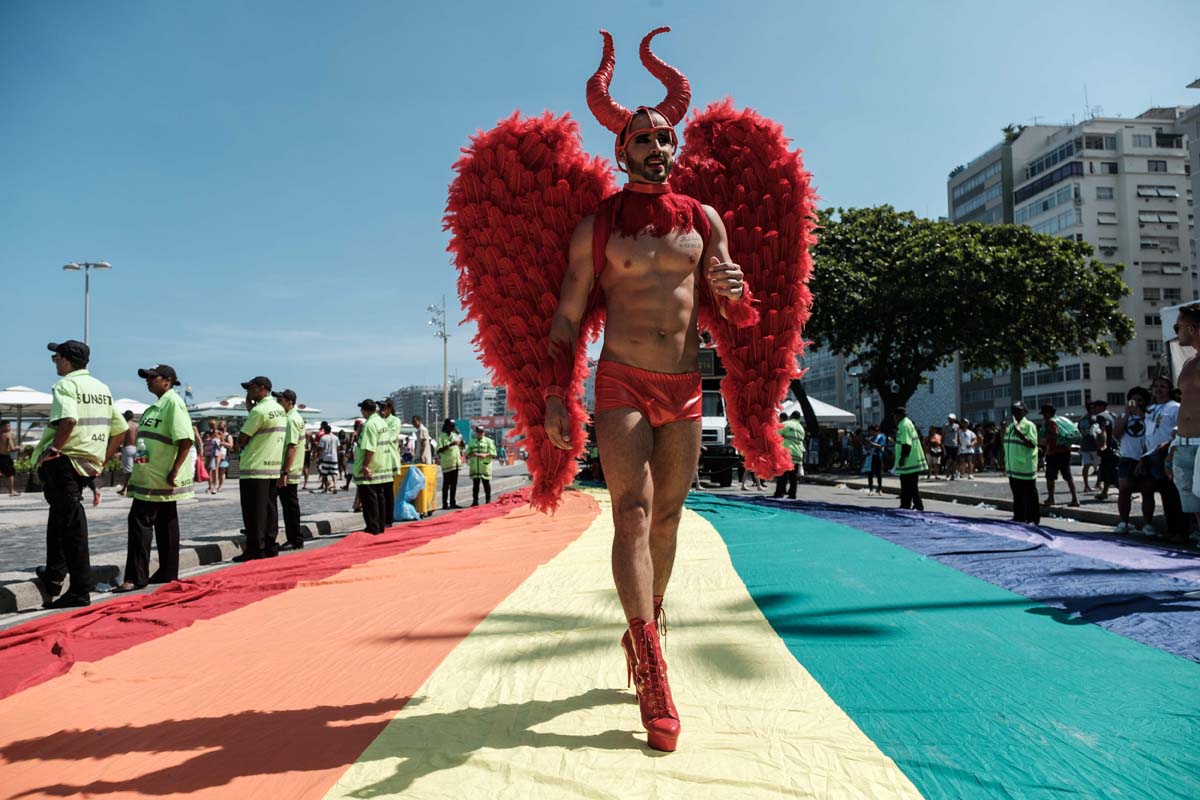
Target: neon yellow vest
x,y
262,457
906,433
163,425
793,439
80,397
450,459
369,440
1020,460
477,450
295,435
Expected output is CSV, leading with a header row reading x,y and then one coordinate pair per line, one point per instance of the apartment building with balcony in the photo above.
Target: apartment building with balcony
x,y
1123,185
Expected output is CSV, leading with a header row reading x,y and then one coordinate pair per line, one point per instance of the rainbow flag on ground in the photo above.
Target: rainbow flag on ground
x,y
814,651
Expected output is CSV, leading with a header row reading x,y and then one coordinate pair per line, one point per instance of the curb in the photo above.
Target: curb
x,y
209,548
1093,516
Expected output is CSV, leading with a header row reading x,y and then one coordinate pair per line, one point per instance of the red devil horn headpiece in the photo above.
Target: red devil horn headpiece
x,y
609,112
615,116
679,92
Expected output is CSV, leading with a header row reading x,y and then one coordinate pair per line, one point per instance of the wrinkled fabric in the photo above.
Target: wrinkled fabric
x,y
1134,589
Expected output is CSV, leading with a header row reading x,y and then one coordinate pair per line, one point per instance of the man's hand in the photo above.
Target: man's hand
x,y
558,423
282,482
725,278
173,477
366,472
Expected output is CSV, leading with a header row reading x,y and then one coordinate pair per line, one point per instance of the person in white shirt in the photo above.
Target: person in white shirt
x,y
1161,418
327,459
422,450
966,450
1130,429
950,447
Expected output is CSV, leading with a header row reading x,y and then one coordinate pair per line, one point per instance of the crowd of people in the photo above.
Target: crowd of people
x,y
1130,452
163,457
1139,451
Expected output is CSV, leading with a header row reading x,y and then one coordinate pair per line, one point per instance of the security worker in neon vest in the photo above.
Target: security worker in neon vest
x,y
389,447
370,485
791,430
260,465
481,452
910,460
84,433
288,485
1020,463
162,475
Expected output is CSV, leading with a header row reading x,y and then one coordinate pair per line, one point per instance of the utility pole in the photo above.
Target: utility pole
x,y
438,321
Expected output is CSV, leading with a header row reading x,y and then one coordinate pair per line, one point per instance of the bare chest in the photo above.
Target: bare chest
x,y
657,258
1189,380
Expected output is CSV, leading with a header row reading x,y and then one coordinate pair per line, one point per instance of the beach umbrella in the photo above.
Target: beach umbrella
x,y
23,401
125,404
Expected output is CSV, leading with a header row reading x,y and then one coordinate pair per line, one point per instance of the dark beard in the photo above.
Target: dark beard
x,y
639,169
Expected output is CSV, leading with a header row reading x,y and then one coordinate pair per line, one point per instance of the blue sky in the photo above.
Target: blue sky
x,y
268,178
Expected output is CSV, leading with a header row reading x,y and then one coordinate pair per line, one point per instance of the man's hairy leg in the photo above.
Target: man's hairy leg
x,y
626,442
676,452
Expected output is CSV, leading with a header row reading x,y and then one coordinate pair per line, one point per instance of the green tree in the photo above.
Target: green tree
x,y
899,296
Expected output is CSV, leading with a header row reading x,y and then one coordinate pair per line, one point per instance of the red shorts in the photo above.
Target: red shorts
x,y
663,397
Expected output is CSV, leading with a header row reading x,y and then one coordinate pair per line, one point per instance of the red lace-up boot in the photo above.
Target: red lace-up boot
x,y
659,717
660,620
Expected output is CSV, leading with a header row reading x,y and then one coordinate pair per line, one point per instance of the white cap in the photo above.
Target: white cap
x,y
951,416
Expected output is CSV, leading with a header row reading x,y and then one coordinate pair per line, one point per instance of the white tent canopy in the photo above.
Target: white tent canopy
x,y
25,401
235,407
826,414
126,404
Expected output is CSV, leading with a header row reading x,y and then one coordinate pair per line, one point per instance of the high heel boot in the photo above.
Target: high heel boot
x,y
659,717
660,620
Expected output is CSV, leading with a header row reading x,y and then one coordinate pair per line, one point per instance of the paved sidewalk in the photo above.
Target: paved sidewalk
x,y
990,491
210,533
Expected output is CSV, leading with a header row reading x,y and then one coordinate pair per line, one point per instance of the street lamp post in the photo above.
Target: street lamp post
x,y
438,320
87,267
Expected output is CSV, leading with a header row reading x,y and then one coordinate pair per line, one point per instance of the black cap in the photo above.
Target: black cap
x,y
160,370
258,380
385,403
1019,406
1048,409
72,349
1098,402
286,394
367,404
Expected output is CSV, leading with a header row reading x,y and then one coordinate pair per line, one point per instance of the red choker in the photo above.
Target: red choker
x,y
648,188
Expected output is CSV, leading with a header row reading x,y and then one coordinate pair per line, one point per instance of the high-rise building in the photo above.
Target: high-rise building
x,y
1124,186
982,191
482,400
422,401
1189,125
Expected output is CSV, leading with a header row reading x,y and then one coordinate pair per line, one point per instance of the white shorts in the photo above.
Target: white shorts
x,y
128,454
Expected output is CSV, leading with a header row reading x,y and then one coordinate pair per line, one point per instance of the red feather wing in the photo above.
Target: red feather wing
x,y
520,189
739,162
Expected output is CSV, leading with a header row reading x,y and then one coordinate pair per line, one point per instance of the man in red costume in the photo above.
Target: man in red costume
x,y
651,253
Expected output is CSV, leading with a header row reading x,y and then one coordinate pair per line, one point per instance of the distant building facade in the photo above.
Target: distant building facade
x,y
1123,185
